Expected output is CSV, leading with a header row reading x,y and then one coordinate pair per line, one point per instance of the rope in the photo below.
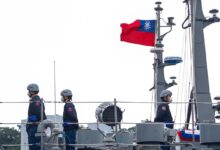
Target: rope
x,y
179,80
185,73
188,15
122,102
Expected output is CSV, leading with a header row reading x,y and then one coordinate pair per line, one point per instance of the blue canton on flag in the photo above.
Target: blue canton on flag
x,y
147,26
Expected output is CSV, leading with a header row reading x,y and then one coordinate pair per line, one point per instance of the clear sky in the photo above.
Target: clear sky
x,y
83,38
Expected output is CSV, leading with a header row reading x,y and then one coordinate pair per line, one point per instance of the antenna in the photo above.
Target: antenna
x,y
55,104
160,83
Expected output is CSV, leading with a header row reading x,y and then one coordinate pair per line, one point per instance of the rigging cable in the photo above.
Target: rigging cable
x,y
55,106
187,68
187,74
191,62
183,78
188,15
178,89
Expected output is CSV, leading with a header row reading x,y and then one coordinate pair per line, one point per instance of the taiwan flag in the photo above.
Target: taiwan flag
x,y
139,32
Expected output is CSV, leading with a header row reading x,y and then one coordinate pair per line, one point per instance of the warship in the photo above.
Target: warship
x,y
200,130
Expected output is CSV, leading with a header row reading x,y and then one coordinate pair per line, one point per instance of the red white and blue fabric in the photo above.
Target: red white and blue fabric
x,y
187,135
139,32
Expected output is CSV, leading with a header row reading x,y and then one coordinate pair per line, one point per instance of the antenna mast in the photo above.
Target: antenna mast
x,y
201,93
159,80
55,103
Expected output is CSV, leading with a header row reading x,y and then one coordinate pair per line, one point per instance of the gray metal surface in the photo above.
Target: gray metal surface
x,y
159,79
209,134
86,136
149,147
49,140
124,139
150,133
200,73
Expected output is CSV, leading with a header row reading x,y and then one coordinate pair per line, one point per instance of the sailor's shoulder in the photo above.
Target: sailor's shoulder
x,y
163,107
69,105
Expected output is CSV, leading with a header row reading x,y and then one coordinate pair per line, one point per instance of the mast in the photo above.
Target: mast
x,y
201,93
200,96
159,83
159,80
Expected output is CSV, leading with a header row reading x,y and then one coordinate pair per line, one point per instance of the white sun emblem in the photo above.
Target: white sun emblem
x,y
147,25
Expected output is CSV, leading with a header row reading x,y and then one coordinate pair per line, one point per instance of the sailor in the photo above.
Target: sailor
x,y
163,110
70,120
36,114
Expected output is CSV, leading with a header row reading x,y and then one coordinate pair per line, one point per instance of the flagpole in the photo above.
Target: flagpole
x,y
158,10
159,79
160,83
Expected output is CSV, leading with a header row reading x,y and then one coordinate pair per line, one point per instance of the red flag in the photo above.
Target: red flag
x,y
139,32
